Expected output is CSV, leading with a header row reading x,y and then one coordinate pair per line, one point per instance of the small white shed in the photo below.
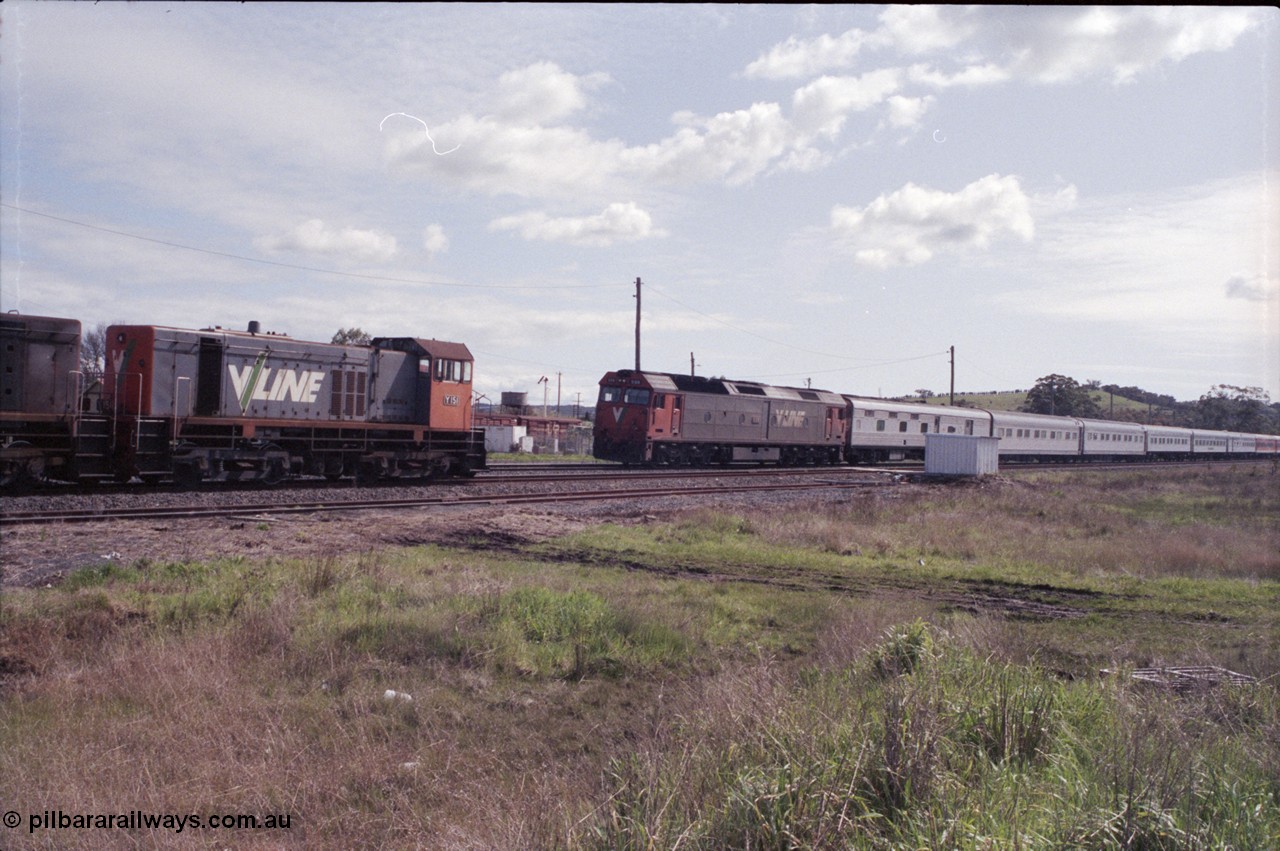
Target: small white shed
x,y
961,455
503,438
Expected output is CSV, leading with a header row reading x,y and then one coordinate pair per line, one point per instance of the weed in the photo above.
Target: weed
x,y
903,649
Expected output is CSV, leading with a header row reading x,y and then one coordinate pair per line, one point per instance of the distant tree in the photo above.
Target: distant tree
x,y
924,394
93,352
351,337
1060,395
1229,408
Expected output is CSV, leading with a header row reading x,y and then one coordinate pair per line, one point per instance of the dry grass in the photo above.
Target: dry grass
x,y
1146,524
557,705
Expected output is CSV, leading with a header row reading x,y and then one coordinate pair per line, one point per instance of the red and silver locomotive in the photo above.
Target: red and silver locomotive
x,y
663,418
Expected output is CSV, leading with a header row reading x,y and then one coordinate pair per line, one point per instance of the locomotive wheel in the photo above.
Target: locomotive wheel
x,y
272,472
21,472
367,474
188,476
273,469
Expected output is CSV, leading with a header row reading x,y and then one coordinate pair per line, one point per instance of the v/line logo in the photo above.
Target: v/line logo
x,y
255,383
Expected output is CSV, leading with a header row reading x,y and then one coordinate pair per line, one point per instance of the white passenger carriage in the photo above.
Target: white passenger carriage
x,y
1241,444
1209,443
1035,436
880,430
1166,442
1104,439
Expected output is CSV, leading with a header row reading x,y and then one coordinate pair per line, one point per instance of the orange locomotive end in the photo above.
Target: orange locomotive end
x,y
624,416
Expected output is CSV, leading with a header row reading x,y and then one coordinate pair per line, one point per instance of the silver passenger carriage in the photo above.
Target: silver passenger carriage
x,y
1036,436
881,430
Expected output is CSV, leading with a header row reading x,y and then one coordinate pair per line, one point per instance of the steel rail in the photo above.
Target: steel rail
x,y
433,501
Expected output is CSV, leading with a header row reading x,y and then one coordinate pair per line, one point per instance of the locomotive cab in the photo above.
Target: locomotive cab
x,y
625,410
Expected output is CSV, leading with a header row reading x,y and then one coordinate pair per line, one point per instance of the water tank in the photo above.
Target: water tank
x,y
514,400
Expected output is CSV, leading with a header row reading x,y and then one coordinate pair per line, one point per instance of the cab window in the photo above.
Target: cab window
x,y
453,370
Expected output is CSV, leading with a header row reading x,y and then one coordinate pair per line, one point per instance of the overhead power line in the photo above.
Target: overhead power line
x,y
300,268
868,362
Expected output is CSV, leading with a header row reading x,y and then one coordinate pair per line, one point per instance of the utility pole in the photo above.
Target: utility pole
x,y
637,324
693,368
558,394
953,376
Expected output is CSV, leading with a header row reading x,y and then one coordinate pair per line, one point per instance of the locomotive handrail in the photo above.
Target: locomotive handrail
x,y
179,418
75,387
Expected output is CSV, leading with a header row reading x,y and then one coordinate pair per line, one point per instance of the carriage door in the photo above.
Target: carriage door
x,y
676,404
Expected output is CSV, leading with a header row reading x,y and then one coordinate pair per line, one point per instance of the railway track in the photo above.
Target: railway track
x,y
684,483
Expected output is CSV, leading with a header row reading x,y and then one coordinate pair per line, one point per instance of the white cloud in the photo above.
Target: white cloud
x,y
434,240
495,155
542,93
908,112
908,226
1045,44
315,237
501,158
618,222
1155,262
733,146
1252,288
794,58
925,29
822,106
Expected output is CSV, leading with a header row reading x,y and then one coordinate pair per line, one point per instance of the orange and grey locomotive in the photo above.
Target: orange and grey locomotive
x,y
218,405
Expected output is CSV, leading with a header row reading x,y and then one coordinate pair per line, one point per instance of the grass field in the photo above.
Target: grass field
x,y
918,670
1014,400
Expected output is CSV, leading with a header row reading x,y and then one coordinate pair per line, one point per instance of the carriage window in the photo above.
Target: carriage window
x,y
879,425
610,394
636,397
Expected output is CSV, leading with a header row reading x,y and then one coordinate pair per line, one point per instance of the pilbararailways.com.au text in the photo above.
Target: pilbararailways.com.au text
x,y
139,820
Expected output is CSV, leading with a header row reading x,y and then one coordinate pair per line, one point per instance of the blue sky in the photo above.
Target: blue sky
x,y
833,194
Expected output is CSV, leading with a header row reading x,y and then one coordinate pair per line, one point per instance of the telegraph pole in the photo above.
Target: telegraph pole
x,y
953,376
637,324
